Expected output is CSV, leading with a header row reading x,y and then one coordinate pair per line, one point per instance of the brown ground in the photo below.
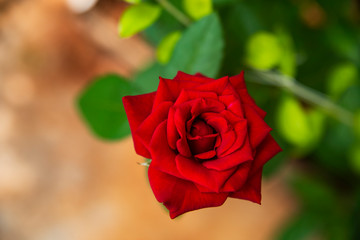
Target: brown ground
x,y
57,181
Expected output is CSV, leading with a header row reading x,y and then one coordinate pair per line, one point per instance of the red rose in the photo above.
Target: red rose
x,y
207,140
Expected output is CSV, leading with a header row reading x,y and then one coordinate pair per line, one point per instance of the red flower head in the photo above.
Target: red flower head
x,y
207,140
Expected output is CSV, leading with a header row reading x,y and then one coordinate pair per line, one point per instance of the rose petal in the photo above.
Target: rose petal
x,y
236,108
182,114
206,155
240,131
251,190
163,157
202,144
180,196
232,160
186,95
267,150
132,104
172,133
187,111
207,105
169,90
197,173
227,140
217,121
217,86
199,78
238,178
148,126
258,129
238,83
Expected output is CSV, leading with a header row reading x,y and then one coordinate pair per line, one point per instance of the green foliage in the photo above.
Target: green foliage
x,y
301,128
224,2
351,98
341,78
357,123
198,8
330,153
148,78
287,63
200,49
343,41
166,47
133,1
101,106
303,226
263,51
138,17
354,156
311,190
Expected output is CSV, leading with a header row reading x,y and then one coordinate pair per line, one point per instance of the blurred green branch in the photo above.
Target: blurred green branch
x,y
181,17
307,94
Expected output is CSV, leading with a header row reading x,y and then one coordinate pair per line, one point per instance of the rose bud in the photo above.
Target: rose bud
x,y
207,140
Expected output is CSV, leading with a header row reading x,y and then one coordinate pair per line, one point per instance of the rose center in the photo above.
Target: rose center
x,y
202,137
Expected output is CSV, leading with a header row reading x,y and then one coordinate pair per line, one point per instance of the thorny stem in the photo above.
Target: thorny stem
x,y
307,94
181,17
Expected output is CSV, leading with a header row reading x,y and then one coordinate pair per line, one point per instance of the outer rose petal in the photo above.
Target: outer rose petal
x,y
216,86
163,157
251,190
132,104
258,129
181,196
238,179
197,173
169,90
148,126
267,150
239,84
181,76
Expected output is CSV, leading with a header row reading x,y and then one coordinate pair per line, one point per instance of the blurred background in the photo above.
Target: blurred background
x,y
59,181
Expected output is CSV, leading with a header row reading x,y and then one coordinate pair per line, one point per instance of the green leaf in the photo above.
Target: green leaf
x,y
101,106
148,79
287,63
303,129
344,41
263,51
292,122
137,18
223,2
337,140
310,190
133,1
166,47
355,158
198,8
341,78
357,123
200,49
316,120
303,226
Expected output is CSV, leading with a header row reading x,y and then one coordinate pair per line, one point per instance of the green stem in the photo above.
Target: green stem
x,y
181,17
305,93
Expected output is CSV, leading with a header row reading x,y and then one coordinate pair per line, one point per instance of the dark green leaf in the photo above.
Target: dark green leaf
x,y
148,79
101,106
301,227
200,49
316,195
